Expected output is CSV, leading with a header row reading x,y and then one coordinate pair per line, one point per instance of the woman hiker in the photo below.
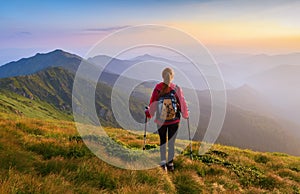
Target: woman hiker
x,y
167,101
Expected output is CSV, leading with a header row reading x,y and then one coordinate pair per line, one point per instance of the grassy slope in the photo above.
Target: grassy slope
x,y
39,156
22,106
54,86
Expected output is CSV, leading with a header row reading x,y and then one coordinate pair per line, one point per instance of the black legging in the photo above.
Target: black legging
x,y
172,133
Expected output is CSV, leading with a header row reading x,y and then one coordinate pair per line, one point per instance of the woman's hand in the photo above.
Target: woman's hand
x,y
147,113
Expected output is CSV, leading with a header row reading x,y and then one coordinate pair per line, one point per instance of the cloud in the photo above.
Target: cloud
x,y
108,29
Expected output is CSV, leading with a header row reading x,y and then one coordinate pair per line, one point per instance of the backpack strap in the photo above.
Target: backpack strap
x,y
176,88
177,98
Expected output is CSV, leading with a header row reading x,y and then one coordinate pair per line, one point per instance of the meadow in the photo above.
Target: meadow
x,y
49,156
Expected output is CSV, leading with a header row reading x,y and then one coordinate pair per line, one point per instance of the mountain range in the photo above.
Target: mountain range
x,y
238,70
281,86
49,78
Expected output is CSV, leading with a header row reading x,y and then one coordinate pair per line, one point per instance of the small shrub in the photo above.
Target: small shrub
x,y
76,138
219,153
77,152
208,159
261,159
151,146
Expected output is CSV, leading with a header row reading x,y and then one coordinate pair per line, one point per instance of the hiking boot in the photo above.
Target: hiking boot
x,y
164,167
170,166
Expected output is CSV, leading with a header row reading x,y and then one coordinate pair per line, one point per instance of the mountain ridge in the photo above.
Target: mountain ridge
x,y
54,85
30,65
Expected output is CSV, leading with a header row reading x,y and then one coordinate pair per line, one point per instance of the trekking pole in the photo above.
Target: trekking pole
x,y
191,148
144,147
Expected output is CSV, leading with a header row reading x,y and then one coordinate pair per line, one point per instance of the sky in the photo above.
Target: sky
x,y
231,26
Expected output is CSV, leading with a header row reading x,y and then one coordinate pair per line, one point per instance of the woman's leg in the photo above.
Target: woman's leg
x,y
162,131
172,133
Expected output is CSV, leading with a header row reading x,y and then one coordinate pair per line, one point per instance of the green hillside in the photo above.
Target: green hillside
x,y
26,107
40,156
54,86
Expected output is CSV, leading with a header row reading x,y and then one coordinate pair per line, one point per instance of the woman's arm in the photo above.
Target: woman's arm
x,y
153,103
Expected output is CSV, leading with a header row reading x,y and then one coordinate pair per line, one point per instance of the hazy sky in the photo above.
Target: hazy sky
x,y
229,26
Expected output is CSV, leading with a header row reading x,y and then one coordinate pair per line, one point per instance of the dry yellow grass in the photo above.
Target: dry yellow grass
x,y
40,156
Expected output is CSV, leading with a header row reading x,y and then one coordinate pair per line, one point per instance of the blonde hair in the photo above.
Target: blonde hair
x,y
168,75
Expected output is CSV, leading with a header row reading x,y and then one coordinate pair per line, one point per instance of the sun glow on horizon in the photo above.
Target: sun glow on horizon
x,y
241,34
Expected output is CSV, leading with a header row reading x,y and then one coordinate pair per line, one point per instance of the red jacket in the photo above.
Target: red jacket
x,y
180,100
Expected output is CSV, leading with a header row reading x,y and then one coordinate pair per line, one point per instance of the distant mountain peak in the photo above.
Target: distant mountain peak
x,y
246,87
57,52
40,61
147,57
246,90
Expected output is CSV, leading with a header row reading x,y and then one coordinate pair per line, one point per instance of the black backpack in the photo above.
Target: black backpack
x,y
167,107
